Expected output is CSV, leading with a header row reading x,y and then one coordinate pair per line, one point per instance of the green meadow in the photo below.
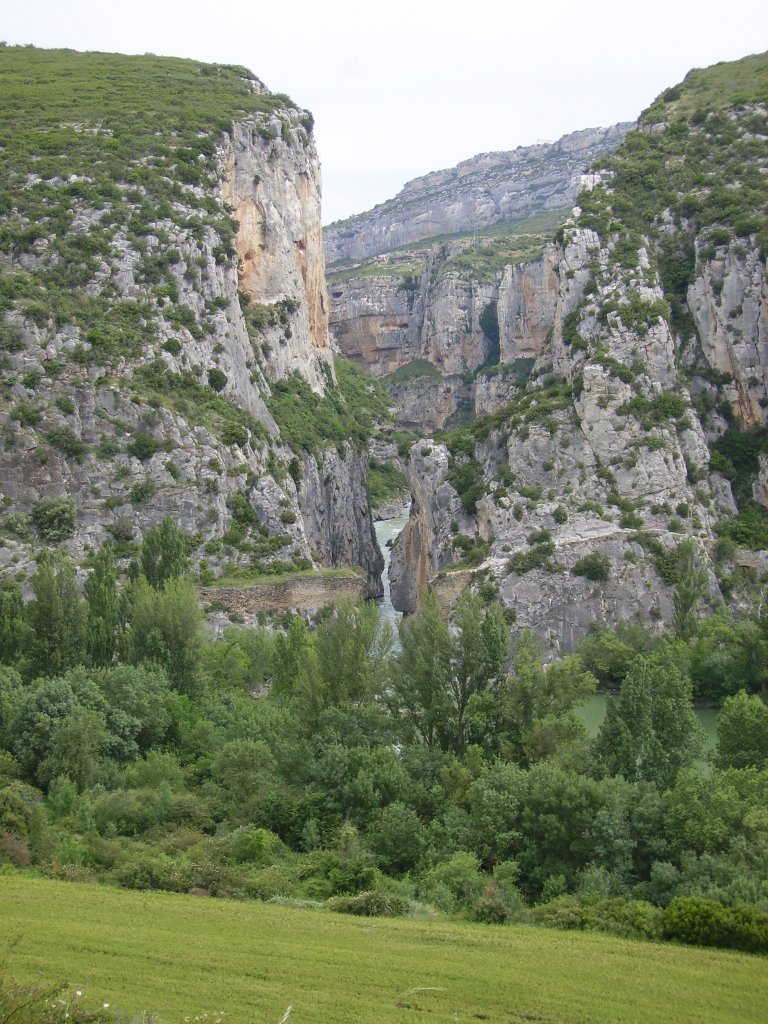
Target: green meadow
x,y
181,956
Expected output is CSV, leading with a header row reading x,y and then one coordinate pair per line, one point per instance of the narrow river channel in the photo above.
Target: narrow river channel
x,y
386,532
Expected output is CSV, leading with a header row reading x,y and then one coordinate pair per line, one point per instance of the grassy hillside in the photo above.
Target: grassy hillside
x,y
180,956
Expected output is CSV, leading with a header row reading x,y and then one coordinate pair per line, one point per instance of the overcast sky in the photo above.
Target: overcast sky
x,y
403,87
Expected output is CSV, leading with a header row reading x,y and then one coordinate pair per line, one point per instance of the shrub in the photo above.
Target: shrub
x,y
217,379
155,871
143,491
234,433
702,922
55,518
369,904
25,413
144,446
67,442
536,557
565,912
595,566
490,907
18,524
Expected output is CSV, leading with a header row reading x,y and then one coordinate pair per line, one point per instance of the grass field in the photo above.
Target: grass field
x,y
183,956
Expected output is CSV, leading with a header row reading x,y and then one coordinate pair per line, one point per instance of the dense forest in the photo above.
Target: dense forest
x,y
435,773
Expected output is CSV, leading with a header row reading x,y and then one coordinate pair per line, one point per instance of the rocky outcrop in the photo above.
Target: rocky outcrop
x,y
333,500
271,179
163,408
728,300
437,515
526,306
484,190
574,469
376,320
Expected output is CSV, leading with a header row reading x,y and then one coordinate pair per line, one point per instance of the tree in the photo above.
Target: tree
x,y
742,733
352,648
14,631
420,685
535,709
396,838
557,810
445,682
691,586
290,653
166,627
650,731
728,654
608,652
143,694
77,745
56,617
65,726
164,553
480,649
103,609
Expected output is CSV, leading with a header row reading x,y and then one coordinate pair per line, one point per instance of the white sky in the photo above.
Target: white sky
x,y
403,87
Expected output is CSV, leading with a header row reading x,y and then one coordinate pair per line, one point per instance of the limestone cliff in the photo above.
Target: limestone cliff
x,y
479,192
159,281
645,411
481,296
429,320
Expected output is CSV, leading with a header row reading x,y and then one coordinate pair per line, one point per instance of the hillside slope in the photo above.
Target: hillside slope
x,y
164,319
251,961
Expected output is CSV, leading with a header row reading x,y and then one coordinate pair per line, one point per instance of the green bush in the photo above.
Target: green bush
x,y
18,524
67,442
565,912
491,906
144,446
234,433
536,557
217,379
466,478
595,566
372,903
703,922
55,518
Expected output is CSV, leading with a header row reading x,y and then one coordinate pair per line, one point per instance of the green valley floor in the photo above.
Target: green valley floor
x,y
182,956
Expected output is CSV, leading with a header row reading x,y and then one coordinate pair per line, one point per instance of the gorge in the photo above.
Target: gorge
x,y
578,406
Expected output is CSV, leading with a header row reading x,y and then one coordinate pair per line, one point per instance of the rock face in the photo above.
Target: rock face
x,y
728,300
478,299
572,497
172,417
526,306
489,188
273,185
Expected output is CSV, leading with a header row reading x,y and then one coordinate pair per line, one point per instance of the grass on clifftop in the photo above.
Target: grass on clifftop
x,y
181,956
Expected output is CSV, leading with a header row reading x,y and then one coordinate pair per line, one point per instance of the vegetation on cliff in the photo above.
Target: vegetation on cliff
x,y
134,375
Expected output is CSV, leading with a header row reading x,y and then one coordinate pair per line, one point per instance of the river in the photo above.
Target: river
x,y
386,532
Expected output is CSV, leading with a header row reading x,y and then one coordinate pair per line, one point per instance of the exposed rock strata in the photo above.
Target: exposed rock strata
x,y
590,472
478,192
